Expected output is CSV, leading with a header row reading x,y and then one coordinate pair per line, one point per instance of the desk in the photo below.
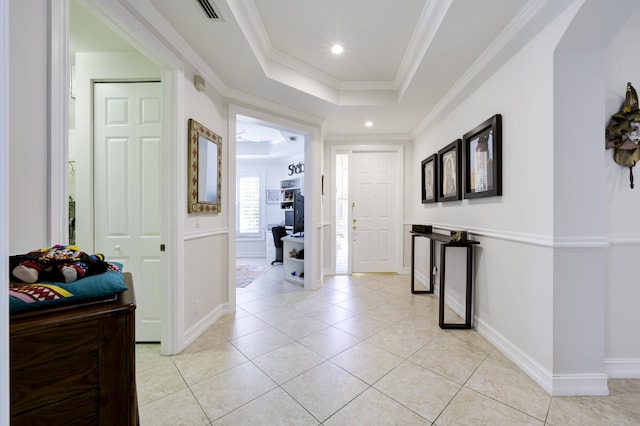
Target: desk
x,y
446,242
292,268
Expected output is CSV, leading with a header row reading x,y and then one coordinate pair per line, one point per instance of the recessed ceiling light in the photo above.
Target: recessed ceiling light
x,y
369,123
337,49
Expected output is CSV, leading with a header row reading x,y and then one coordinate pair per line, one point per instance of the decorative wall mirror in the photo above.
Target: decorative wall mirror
x,y
205,169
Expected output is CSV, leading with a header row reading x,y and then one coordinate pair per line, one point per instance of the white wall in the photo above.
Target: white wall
x,y
580,213
514,263
206,245
28,135
4,208
579,254
622,350
541,272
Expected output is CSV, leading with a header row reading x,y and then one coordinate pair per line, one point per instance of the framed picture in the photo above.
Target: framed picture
x,y
273,196
430,179
205,169
483,159
449,184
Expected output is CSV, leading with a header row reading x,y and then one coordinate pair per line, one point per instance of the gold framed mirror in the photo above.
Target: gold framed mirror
x,y
205,169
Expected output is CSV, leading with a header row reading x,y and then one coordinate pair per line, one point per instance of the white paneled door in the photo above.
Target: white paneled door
x,y
127,190
374,206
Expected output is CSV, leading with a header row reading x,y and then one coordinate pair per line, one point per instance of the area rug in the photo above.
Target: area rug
x,y
246,274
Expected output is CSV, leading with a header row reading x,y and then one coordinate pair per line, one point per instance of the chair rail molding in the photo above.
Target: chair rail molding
x,y
542,240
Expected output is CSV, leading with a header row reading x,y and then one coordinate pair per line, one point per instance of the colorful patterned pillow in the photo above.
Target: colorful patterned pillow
x,y
24,297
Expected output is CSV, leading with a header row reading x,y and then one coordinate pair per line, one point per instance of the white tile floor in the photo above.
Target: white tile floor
x,y
362,350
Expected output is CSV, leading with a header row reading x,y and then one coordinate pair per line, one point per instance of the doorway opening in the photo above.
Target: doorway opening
x,y
368,208
114,178
269,158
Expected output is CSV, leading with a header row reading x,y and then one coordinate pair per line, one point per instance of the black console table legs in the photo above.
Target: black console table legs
x,y
432,259
445,241
469,290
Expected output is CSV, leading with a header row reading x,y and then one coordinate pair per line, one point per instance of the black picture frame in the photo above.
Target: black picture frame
x,y
483,159
449,172
430,179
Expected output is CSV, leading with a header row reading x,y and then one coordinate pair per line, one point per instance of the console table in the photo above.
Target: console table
x,y
446,242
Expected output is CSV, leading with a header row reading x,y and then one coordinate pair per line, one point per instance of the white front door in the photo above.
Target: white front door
x,y
127,190
374,212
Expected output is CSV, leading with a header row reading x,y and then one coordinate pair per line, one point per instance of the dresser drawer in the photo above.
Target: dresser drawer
x,y
81,410
75,365
60,341
32,385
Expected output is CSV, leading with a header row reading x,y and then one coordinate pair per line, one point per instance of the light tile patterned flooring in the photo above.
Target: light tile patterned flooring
x,y
362,350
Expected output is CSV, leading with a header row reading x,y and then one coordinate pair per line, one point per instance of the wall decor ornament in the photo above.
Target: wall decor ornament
x,y
273,196
295,168
482,153
430,179
623,133
449,184
205,169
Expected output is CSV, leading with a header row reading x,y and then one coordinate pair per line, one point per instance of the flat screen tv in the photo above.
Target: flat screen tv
x,y
298,215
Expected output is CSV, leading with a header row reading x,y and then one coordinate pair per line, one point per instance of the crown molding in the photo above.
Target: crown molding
x,y
287,70
377,139
494,55
255,103
426,29
157,21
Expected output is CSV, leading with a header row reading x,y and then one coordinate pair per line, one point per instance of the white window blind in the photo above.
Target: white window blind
x,y
248,205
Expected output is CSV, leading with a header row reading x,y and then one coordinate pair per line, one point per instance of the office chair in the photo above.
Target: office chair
x,y
278,232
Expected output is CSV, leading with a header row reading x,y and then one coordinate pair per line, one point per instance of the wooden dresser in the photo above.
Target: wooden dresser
x,y
75,365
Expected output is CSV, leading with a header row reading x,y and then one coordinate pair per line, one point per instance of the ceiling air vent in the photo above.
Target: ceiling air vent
x,y
210,10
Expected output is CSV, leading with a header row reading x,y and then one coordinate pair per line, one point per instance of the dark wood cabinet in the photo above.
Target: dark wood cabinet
x,y
75,365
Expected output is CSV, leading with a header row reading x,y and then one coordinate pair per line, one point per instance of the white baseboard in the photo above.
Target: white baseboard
x,y
421,278
622,368
555,385
580,385
534,370
201,326
251,254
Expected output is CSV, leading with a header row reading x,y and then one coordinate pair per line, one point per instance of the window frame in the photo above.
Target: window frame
x,y
259,235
